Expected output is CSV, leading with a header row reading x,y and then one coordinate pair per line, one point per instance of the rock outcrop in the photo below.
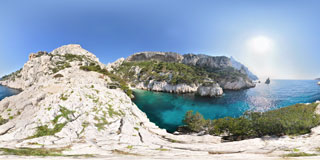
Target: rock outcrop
x,y
244,69
42,64
209,62
237,84
220,70
77,114
165,87
38,54
156,56
115,65
211,90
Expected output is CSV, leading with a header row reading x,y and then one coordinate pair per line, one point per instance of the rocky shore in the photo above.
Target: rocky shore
x,y
71,110
213,90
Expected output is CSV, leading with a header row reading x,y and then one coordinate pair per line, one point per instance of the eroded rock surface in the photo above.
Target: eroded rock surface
x,y
211,90
79,112
156,56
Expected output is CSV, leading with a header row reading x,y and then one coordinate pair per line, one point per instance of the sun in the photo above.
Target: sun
x,y
260,45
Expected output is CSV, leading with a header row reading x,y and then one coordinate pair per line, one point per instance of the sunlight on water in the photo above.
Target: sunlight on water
x,y
167,110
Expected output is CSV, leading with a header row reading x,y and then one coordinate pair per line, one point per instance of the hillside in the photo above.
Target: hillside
x,y
243,68
67,108
172,72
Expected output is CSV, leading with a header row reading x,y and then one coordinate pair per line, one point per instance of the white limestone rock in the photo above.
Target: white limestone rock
x,y
237,84
165,87
115,65
213,90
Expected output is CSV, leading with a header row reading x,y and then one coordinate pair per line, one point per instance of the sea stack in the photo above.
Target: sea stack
x,y
268,81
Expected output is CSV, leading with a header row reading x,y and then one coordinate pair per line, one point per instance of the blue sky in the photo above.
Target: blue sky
x,y
117,28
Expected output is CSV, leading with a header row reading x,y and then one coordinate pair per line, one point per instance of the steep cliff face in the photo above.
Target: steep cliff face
x,y
164,76
171,72
243,68
156,56
208,62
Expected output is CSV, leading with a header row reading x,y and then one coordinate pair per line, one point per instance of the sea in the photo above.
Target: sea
x,y
167,110
6,92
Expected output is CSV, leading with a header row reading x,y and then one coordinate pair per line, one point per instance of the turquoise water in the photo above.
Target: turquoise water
x,y
167,110
6,92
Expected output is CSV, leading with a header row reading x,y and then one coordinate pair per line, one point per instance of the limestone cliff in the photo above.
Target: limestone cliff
x,y
172,72
75,112
243,68
157,56
42,64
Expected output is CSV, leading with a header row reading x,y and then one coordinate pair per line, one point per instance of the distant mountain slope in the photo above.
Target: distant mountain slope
x,y
240,66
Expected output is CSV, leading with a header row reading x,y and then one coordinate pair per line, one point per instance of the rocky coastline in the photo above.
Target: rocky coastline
x,y
141,77
64,108
213,90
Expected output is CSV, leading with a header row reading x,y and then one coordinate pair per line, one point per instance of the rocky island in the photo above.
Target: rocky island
x,y
67,108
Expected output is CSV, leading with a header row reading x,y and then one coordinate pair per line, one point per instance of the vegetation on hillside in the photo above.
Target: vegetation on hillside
x,y
12,76
65,61
32,152
43,152
58,66
292,120
96,68
173,73
3,121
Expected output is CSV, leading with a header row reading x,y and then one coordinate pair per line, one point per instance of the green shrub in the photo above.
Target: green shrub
x,y
46,131
112,112
73,57
63,97
32,151
61,65
96,68
43,152
195,122
12,76
64,113
3,121
300,154
101,123
292,120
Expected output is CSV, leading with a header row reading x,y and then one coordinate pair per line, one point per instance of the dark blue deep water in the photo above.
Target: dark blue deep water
x,y
167,110
6,92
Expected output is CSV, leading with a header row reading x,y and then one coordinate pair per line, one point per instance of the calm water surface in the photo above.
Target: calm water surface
x,y
6,92
167,110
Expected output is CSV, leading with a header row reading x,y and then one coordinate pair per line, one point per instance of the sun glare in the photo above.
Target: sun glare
x,y
260,45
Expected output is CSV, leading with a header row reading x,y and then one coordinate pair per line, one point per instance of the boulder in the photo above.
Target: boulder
x,y
210,90
236,84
